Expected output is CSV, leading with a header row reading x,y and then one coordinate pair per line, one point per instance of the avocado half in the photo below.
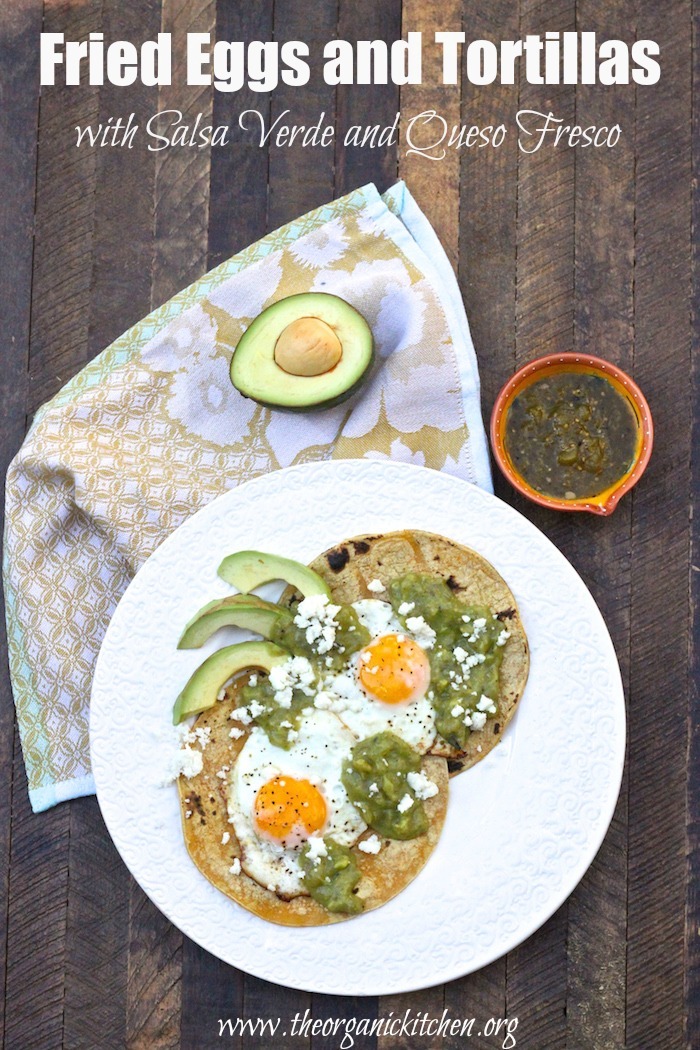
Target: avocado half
x,y
310,350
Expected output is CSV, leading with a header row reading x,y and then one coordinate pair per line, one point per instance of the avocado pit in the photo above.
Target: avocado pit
x,y
308,347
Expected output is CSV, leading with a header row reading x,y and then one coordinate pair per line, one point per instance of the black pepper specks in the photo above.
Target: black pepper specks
x,y
195,803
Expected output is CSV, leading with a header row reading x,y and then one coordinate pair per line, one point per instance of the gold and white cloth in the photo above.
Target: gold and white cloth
x,y
152,430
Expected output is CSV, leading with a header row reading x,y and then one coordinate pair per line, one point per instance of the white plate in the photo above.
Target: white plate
x,y
522,826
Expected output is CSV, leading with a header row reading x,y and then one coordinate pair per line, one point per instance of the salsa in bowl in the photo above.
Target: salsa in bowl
x,y
572,432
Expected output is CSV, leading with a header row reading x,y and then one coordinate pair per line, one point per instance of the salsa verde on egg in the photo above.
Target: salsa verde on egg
x,y
457,666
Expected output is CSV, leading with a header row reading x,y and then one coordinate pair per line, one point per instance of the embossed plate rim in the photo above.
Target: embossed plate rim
x,y
551,786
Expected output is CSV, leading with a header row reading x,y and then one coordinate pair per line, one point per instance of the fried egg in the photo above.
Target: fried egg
x,y
278,800
386,684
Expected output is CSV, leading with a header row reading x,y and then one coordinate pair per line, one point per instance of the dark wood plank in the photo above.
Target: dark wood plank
x,y
433,183
430,1001
488,217
97,925
301,178
692,998
19,25
479,995
58,347
122,240
536,984
238,183
344,1009
182,172
154,981
660,546
212,994
366,104
537,970
96,935
268,1002
545,317
604,324
64,219
36,923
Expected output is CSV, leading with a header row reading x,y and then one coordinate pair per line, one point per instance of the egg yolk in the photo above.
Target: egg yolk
x,y
286,806
394,669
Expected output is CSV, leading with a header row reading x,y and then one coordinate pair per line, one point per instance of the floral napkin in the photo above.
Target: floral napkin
x,y
152,430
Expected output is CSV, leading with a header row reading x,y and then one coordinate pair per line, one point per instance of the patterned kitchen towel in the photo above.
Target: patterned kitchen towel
x,y
152,430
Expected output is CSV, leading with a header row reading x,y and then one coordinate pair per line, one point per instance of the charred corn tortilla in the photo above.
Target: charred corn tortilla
x,y
204,797
351,566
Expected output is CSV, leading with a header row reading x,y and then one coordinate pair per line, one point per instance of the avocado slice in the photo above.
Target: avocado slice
x,y
308,350
237,610
205,684
249,569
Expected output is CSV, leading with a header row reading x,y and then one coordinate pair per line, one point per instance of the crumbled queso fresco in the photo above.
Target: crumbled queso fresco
x,y
186,761
316,849
296,673
316,615
405,803
372,844
421,631
422,785
247,714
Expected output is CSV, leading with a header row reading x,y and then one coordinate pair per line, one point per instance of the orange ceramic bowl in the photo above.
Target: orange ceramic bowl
x,y
606,501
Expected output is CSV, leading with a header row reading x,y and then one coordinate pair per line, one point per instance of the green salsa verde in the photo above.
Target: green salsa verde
x,y
466,658
375,780
274,719
277,721
571,435
332,879
350,637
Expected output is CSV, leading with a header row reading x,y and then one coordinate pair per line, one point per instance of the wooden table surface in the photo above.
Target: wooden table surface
x,y
562,249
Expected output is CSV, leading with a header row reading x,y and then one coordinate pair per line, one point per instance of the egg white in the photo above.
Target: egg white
x,y
317,755
363,714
